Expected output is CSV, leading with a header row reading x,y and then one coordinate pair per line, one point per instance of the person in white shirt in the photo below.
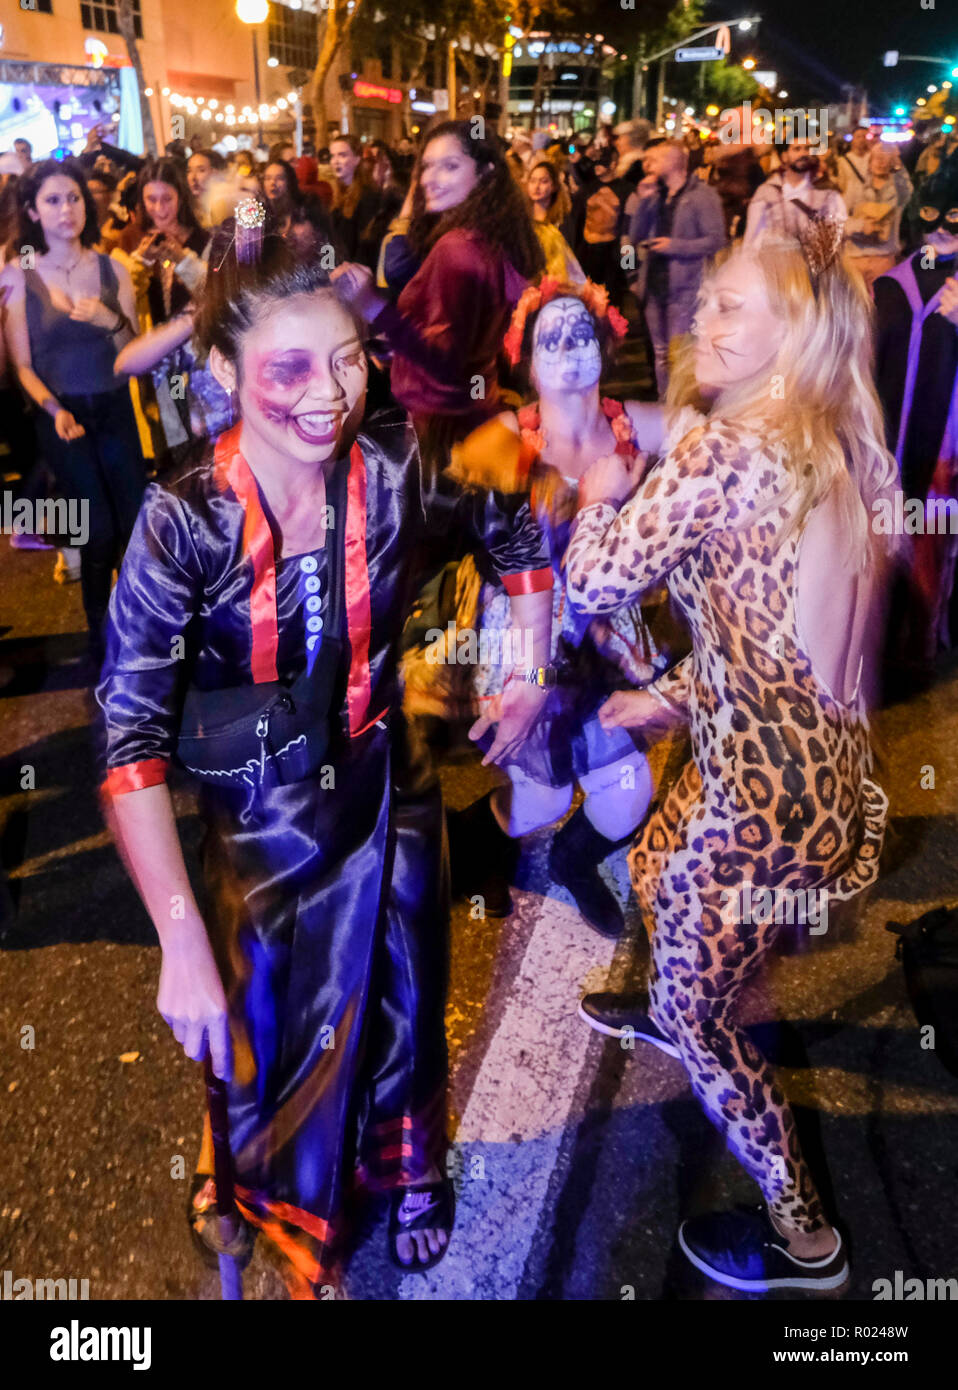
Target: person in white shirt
x,y
852,163
793,196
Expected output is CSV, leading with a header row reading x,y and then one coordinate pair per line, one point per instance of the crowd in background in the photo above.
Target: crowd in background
x,y
632,210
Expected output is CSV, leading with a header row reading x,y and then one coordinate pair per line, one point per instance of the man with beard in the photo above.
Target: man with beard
x,y
793,196
917,381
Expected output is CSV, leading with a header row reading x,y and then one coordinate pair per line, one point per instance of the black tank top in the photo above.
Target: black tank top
x,y
71,358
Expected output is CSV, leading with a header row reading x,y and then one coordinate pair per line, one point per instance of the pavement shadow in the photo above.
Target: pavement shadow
x,y
52,663
64,881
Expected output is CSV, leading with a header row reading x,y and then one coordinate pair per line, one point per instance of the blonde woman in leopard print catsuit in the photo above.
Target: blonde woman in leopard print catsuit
x,y
758,516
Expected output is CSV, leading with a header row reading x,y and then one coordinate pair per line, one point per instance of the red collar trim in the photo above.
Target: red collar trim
x,y
231,468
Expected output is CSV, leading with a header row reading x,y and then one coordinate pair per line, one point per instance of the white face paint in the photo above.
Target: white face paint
x,y
565,350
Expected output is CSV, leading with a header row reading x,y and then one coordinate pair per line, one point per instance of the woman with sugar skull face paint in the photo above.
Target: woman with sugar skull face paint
x,y
253,639
546,448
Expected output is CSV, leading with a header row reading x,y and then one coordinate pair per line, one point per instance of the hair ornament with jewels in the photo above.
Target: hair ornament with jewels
x,y
594,297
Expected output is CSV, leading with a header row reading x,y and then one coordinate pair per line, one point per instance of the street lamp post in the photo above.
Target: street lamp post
x,y
662,54
254,13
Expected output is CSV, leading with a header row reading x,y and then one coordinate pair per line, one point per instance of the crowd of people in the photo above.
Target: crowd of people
x,y
295,394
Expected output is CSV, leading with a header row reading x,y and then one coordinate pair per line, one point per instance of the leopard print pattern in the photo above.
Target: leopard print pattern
x,y
777,792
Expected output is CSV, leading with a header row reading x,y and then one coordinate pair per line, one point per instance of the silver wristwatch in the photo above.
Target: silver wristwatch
x,y
547,676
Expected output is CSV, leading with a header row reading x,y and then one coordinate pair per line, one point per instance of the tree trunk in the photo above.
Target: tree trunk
x,y
417,70
537,91
338,20
124,17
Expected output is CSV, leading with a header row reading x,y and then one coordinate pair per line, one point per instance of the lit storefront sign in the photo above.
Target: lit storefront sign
x,y
365,90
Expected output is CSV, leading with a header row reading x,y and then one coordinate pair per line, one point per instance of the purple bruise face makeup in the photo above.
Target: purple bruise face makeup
x,y
282,383
565,351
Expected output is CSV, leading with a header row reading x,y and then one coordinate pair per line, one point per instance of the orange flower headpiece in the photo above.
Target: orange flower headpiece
x,y
594,297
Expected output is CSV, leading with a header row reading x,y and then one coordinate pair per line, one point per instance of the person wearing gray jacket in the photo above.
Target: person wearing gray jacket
x,y
677,225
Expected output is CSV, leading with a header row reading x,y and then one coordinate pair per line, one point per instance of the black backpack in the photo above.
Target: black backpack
x,y
928,950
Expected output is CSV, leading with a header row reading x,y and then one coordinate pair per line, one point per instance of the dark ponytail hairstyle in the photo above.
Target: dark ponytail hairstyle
x,y
237,292
496,208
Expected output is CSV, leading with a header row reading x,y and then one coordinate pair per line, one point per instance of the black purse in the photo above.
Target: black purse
x,y
271,733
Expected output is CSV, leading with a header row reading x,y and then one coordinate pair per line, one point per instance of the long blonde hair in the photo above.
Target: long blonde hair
x,y
816,401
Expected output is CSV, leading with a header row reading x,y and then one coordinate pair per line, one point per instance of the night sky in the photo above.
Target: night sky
x,y
816,45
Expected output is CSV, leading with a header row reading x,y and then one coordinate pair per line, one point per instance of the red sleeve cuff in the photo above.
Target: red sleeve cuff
x,y
527,581
133,777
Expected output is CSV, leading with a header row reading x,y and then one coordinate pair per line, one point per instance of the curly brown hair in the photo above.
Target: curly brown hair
x,y
496,208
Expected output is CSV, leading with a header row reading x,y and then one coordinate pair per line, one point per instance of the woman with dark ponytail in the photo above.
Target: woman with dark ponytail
x,y
253,639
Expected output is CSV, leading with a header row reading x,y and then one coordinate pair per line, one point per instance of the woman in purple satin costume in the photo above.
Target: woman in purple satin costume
x,y
314,968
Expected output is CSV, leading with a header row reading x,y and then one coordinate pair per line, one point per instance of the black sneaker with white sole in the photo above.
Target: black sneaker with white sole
x,y
743,1250
624,1016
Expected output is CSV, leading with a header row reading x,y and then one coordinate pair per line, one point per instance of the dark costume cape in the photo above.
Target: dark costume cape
x,y
917,382
326,899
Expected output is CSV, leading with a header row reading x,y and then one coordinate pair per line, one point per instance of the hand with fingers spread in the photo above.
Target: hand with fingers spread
x,y
192,1001
515,712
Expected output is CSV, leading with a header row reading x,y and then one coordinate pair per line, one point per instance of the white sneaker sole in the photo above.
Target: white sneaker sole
x,y
668,1048
833,1281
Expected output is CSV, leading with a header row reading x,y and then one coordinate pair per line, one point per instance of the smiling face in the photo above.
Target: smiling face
x,y
448,174
737,334
301,380
59,209
162,204
565,349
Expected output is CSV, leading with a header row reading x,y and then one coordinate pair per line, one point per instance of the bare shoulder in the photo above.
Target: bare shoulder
x,y
12,281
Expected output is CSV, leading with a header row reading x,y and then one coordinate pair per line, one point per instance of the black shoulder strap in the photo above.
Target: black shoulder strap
x,y
109,285
853,169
